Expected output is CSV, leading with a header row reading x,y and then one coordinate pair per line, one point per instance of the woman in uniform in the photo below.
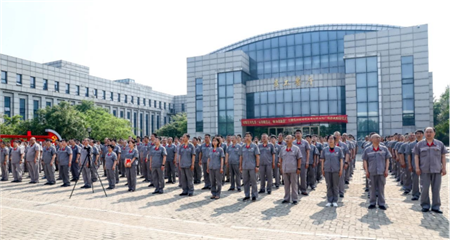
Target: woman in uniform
x,y
131,157
332,158
215,167
110,166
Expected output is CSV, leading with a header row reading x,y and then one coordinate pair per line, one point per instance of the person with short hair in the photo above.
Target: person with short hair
x,y
290,158
48,160
215,167
205,149
332,158
131,159
305,149
65,161
4,159
249,166
186,153
110,166
157,165
32,157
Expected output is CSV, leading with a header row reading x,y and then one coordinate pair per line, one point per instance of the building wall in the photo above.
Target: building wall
x,y
390,46
77,75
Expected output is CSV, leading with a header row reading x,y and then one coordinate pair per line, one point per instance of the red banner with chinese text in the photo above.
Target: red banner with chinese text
x,y
259,122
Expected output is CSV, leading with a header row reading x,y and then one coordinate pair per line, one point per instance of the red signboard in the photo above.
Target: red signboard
x,y
52,134
261,122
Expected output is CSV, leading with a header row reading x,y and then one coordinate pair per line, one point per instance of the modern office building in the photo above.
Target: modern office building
x,y
356,78
28,86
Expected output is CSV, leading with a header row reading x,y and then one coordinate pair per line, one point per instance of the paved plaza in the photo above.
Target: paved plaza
x,y
46,212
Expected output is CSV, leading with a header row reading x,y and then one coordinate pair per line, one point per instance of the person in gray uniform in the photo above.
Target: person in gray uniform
x,y
65,161
350,146
110,166
290,158
186,151
249,166
143,152
276,170
232,159
345,149
312,162
131,160
198,162
32,160
412,165
305,149
17,155
376,163
171,169
266,163
157,164
204,155
104,150
430,166
48,160
95,159
75,165
332,158
319,147
4,159
123,147
118,150
86,159
215,167
404,152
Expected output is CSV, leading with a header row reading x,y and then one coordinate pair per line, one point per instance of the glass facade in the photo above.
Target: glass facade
x,y
45,84
366,72
408,91
22,109
32,82
199,105
4,77
8,106
67,88
297,102
56,86
225,82
297,54
19,79
35,108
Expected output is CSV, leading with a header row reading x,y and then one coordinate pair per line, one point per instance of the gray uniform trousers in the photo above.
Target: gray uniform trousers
x,y
65,174
17,171
206,175
433,180
122,167
332,180
186,180
142,167
158,178
111,176
276,175
34,171
87,179
311,177
171,171
75,169
59,172
349,170
116,172
266,173
319,171
144,170
130,173
249,176
302,186
397,171
415,185
377,183
93,169
290,186
342,181
407,180
216,181
235,176
49,172
148,171
5,172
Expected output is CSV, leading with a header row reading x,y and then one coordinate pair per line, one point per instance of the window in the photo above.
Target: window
x,y
35,108
48,104
121,114
32,82
4,77
138,101
226,103
141,124
77,90
160,105
408,115
150,103
19,79
126,98
153,121
165,121
22,108
67,88
135,125
132,99
95,93
115,113
158,120
104,94
118,97
129,115
182,107
154,103
199,105
111,96
45,84
165,105
7,109
56,86
86,92
146,125
143,101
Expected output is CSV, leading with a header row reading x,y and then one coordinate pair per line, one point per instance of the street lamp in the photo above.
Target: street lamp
x,y
89,131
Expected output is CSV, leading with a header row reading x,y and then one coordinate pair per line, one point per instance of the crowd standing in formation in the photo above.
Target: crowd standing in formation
x,y
298,163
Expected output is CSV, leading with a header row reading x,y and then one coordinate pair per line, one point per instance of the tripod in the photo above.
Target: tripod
x,y
88,157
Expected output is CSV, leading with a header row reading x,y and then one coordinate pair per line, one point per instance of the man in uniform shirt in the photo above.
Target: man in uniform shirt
x,y
312,162
404,152
65,161
350,147
86,159
266,163
95,162
249,166
138,147
305,150
118,150
344,147
412,165
204,155
186,152
32,160
143,152
171,150
16,157
4,159
276,170
239,139
319,146
430,166
75,165
290,164
281,141
232,160
157,162
397,157
48,160
150,149
123,147
198,163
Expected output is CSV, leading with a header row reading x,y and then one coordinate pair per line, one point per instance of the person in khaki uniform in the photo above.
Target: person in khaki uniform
x,y
430,166
290,158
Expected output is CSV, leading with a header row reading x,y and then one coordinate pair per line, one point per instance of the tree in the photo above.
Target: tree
x,y
441,117
176,128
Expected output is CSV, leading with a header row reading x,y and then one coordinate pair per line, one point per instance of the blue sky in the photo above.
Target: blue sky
x,y
149,41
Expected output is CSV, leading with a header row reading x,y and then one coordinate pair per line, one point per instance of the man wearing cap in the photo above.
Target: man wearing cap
x,y
430,166
290,165
305,149
48,160
249,166
32,160
266,163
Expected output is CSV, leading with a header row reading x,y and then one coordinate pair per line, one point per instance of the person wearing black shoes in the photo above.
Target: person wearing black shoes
x,y
204,155
186,152
412,165
290,159
376,164
313,162
131,159
232,160
266,163
118,150
65,156
32,156
305,149
157,162
215,168
17,154
110,166
4,159
198,162
48,160
86,152
276,170
430,166
249,166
